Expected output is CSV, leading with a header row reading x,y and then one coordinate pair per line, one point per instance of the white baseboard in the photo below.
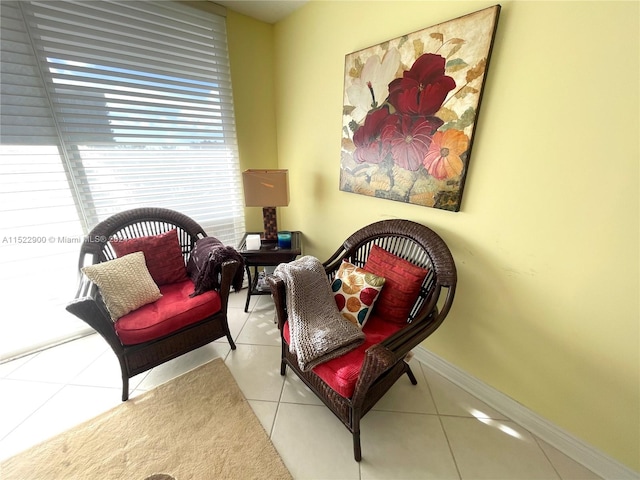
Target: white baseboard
x,y
593,459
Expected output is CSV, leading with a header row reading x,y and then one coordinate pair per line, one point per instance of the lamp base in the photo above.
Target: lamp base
x,y
270,224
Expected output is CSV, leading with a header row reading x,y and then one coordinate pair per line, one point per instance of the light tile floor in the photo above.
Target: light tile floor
x,y
433,430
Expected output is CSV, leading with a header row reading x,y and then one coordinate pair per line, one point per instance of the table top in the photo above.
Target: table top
x,y
270,253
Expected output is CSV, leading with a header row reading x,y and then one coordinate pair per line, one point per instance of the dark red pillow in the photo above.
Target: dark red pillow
x,y
162,254
402,285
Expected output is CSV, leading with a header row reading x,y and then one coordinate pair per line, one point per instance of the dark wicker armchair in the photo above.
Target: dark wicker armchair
x,y
89,306
382,363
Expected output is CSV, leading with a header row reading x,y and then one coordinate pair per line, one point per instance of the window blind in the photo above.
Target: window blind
x,y
109,105
141,93
38,212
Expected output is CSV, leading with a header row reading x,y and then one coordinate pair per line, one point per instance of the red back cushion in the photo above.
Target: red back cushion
x,y
162,254
402,285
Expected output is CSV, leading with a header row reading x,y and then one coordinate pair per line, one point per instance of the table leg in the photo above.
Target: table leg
x,y
246,305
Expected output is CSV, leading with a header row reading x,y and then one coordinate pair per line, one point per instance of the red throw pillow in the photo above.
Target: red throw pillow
x,y
402,286
162,254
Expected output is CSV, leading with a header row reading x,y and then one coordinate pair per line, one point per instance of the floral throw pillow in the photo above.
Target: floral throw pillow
x,y
355,291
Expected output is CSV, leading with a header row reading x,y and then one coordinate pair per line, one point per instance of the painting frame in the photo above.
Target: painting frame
x,y
410,111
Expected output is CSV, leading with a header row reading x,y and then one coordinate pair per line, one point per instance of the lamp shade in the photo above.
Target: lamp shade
x,y
266,188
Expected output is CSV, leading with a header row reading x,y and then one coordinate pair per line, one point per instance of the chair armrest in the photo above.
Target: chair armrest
x,y
422,327
377,360
278,292
384,355
91,309
227,273
413,334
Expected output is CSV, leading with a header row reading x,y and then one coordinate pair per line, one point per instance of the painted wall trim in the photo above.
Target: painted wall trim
x,y
587,455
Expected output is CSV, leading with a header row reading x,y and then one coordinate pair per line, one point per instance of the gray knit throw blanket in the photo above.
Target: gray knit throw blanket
x,y
318,332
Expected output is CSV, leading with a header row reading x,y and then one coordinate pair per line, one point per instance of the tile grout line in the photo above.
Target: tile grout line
x,y
444,431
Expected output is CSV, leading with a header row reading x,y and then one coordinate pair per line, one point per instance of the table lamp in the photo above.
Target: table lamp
x,y
267,189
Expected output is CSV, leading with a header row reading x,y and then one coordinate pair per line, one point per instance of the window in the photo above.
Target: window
x,y
106,105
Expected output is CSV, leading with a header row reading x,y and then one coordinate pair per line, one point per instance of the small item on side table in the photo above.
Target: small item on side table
x,y
261,285
284,240
253,242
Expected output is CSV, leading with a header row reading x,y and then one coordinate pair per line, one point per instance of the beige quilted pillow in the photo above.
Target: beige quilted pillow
x,y
125,283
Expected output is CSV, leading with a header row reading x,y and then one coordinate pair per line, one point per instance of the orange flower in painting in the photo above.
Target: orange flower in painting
x,y
443,157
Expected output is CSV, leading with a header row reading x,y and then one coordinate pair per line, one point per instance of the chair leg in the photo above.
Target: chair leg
x,y
357,452
233,345
411,376
125,388
283,353
355,421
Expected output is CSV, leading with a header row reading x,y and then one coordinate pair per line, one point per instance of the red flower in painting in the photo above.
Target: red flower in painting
x,y
369,146
443,158
423,88
410,138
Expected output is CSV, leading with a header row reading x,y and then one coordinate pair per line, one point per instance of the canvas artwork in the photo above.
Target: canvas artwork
x,y
410,110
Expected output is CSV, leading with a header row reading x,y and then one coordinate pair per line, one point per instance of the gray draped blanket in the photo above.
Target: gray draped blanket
x,y
318,332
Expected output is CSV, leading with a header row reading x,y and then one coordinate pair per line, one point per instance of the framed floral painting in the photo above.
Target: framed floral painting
x,y
410,110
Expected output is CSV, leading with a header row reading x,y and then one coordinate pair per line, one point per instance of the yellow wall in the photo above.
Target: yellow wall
x,y
251,56
546,242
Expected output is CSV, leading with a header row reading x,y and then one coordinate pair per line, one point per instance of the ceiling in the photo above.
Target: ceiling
x,y
265,10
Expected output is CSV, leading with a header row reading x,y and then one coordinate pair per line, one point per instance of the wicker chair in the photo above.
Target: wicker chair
x,y
382,363
89,306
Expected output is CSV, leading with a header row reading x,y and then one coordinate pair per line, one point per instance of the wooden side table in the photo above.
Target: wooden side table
x,y
269,255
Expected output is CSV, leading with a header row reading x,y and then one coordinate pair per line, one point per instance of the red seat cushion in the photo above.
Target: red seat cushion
x,y
402,285
162,254
174,310
341,373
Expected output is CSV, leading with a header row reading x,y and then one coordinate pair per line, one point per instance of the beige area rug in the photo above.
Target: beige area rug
x,y
198,426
